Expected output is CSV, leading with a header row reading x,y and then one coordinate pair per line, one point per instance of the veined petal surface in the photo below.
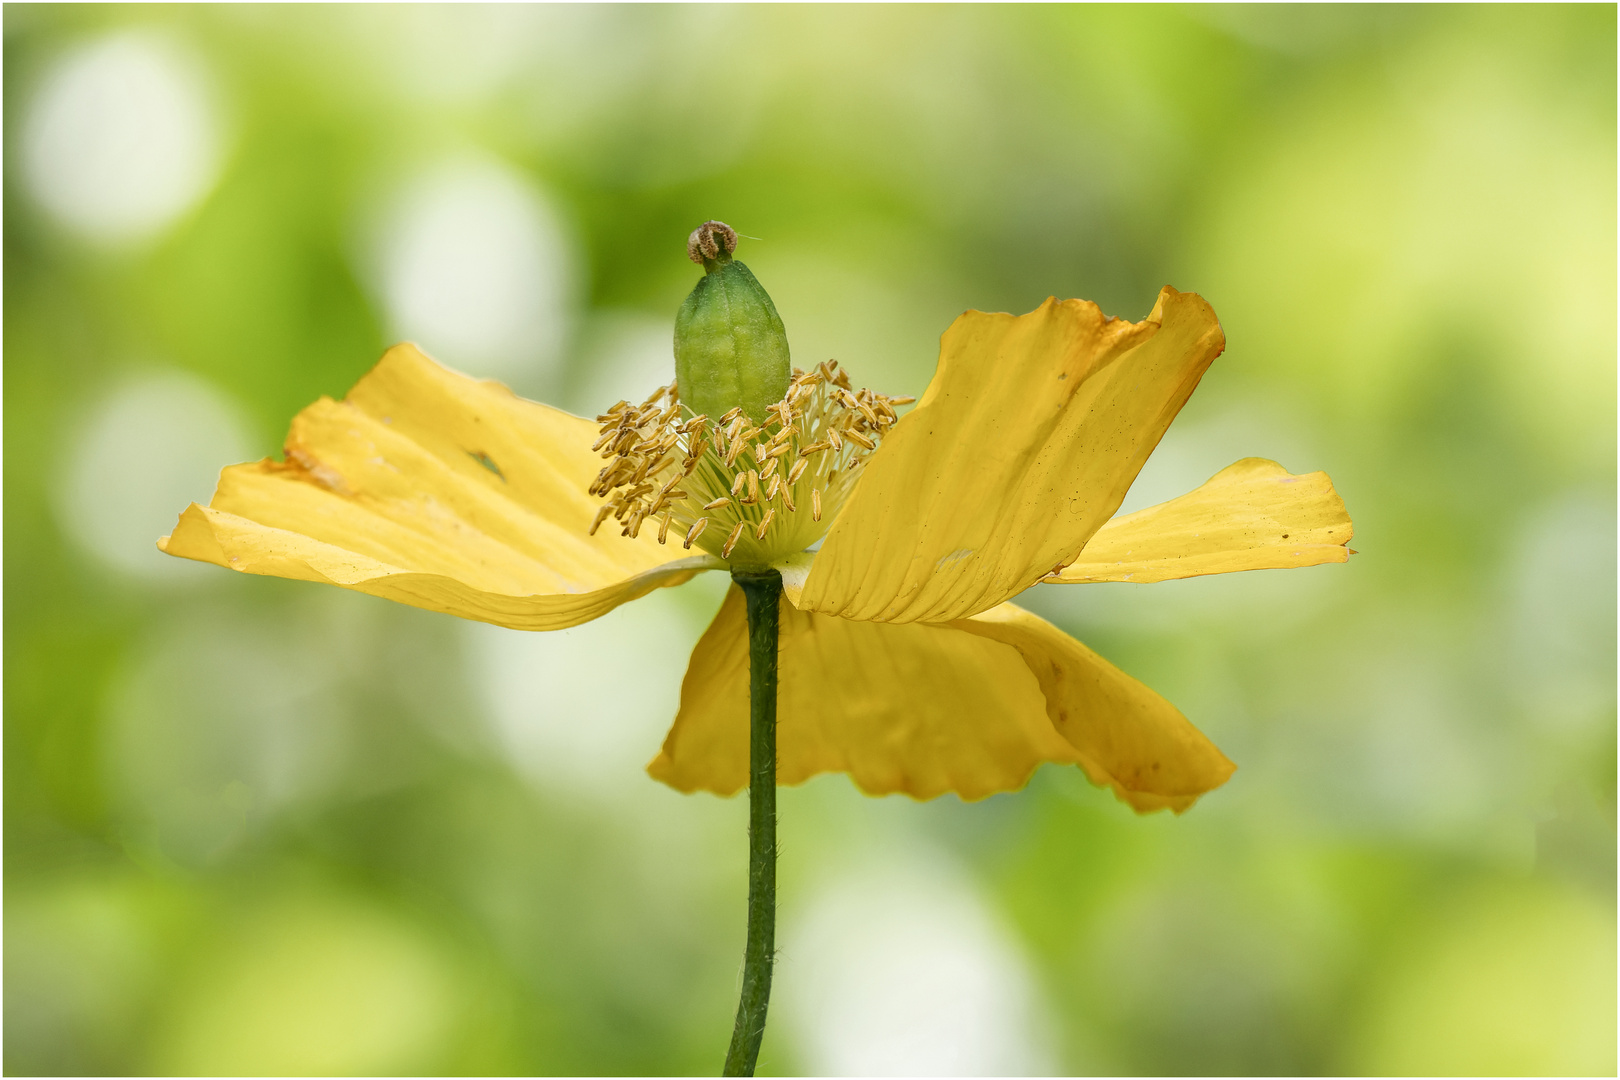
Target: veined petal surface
x,y
919,710
436,490
1252,515
1125,735
1023,446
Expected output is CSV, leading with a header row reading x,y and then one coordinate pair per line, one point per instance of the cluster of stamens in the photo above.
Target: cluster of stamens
x,y
748,492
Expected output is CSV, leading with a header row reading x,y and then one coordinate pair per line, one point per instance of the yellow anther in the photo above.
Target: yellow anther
x,y
765,524
731,541
695,531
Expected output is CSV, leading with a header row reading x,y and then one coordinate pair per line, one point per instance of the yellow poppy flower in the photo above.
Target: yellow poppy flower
x,y
902,662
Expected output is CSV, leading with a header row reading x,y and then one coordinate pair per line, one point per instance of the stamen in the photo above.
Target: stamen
x,y
695,531
688,472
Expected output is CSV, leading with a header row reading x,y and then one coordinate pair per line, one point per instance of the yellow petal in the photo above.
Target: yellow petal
x,y
1126,736
915,709
436,490
1023,446
1253,515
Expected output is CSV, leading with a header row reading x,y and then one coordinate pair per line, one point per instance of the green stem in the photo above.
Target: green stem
x,y
763,592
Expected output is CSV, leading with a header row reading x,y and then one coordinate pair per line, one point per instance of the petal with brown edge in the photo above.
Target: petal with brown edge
x,y
916,709
1023,446
1125,735
1252,515
437,490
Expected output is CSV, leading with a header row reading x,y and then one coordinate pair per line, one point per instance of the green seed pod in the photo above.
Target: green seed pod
x,y
730,347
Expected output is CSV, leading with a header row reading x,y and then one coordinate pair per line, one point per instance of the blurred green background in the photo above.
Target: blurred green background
x,y
258,826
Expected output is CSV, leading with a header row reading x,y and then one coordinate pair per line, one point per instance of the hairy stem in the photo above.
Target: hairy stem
x,y
763,592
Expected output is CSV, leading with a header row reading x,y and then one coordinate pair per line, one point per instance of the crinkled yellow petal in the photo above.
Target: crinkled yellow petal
x,y
971,707
436,490
915,709
1023,446
1253,515
1126,736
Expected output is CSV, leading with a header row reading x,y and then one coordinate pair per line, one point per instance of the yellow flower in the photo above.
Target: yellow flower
x,y
901,661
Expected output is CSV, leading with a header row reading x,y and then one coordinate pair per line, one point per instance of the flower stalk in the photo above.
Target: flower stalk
x,y
763,592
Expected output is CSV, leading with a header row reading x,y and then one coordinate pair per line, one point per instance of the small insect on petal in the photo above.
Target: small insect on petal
x,y
716,504
695,531
764,524
731,541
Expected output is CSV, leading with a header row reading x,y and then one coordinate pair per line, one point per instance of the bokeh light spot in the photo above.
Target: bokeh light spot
x,y
472,264
583,710
901,970
121,138
139,456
